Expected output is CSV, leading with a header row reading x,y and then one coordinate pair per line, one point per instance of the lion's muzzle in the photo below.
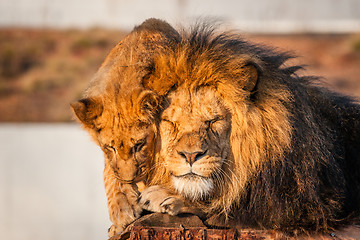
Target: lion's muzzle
x,y
191,157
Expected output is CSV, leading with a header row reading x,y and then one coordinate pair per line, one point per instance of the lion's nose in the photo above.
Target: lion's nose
x,y
193,156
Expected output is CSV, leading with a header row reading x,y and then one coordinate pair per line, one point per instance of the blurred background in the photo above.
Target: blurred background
x,y
50,172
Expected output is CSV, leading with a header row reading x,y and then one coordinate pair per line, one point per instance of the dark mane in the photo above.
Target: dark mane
x,y
309,182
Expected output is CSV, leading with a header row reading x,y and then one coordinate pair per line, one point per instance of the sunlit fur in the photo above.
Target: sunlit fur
x,y
194,122
119,113
117,129
294,155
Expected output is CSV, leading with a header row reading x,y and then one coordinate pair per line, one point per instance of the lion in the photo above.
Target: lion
x,y
128,144
251,142
119,113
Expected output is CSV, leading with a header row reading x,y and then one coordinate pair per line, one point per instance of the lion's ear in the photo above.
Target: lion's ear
x,y
149,103
250,76
157,25
87,110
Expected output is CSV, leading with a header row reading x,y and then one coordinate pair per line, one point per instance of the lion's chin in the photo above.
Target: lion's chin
x,y
193,187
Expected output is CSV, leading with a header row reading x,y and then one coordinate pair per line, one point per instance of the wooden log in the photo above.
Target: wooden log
x,y
190,227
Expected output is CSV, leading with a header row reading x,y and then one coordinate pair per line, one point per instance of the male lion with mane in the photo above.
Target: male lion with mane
x,y
248,140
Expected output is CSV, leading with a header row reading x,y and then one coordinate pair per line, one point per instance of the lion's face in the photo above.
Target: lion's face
x,y
128,149
195,131
124,127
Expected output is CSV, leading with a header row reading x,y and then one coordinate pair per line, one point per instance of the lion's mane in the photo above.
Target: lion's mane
x,y
295,149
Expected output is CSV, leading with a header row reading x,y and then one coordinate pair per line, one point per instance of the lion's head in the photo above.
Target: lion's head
x,y
195,140
223,118
124,128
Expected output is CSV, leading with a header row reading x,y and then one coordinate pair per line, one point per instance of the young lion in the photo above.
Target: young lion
x,y
120,115
128,144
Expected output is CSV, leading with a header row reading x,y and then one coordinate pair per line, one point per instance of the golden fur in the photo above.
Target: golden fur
x,y
249,141
118,112
205,93
241,135
128,145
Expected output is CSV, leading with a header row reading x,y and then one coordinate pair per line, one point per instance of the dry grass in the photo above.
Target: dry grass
x,y
42,71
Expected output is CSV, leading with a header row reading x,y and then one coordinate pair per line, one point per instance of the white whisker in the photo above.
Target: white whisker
x,y
232,173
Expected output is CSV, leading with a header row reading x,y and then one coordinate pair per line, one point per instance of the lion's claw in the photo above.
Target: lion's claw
x,y
158,199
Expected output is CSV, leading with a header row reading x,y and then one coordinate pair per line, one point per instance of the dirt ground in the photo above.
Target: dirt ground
x,y
42,71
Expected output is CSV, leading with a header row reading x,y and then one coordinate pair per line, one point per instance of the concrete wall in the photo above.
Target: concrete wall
x,y
248,15
51,184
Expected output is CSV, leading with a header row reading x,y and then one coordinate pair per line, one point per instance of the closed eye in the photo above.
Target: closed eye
x,y
109,147
173,124
166,120
139,145
215,119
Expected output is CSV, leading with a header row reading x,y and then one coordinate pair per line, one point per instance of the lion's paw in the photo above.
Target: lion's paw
x,y
172,205
159,199
132,196
124,217
123,210
113,230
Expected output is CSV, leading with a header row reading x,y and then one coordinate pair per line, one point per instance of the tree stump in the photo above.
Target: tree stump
x,y
190,227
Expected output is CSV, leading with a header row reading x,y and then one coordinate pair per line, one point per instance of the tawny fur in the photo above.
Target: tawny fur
x,y
119,113
294,158
288,151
